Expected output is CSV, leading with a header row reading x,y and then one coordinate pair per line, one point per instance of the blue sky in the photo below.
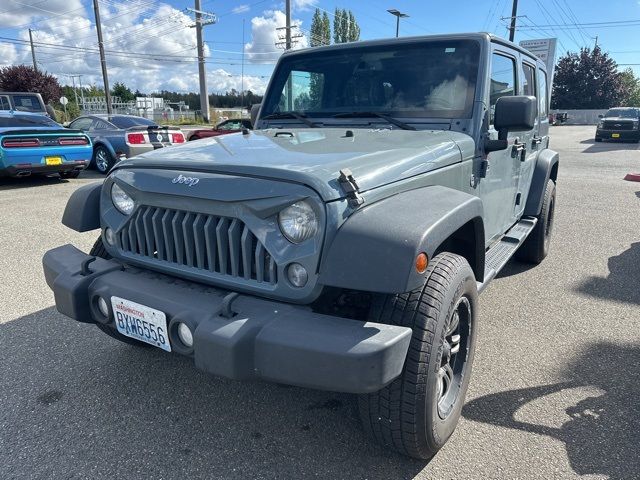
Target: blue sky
x,y
151,47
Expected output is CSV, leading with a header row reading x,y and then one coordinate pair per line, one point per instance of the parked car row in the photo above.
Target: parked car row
x,y
33,143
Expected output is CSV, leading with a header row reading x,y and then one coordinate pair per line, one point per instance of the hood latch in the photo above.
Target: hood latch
x,y
350,187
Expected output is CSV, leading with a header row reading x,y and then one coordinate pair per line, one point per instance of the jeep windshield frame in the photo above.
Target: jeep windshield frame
x,y
426,81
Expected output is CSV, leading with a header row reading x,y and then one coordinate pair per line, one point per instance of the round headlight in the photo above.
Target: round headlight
x,y
123,202
298,222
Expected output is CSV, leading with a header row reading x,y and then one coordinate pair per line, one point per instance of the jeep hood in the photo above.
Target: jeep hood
x,y
314,157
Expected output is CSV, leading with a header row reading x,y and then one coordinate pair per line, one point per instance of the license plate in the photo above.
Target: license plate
x,y
615,135
53,160
141,322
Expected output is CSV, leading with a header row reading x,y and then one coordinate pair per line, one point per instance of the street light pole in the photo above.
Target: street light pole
x,y
398,14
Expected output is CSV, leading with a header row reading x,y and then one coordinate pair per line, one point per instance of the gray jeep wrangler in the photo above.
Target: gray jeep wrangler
x,y
343,243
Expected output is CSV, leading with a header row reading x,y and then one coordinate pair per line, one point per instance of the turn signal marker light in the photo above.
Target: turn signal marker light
x,y
422,261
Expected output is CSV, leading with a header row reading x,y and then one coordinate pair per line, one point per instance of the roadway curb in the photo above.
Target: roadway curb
x,y
632,177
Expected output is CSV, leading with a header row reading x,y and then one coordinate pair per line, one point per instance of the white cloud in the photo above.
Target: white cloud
x,y
241,9
265,35
22,12
304,4
8,53
164,48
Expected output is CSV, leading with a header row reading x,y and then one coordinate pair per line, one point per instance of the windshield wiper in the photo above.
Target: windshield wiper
x,y
290,114
384,116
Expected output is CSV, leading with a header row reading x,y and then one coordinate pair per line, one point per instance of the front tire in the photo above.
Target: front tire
x,y
102,159
98,250
417,413
536,247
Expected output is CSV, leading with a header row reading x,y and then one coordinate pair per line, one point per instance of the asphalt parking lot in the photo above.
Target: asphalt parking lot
x,y
554,392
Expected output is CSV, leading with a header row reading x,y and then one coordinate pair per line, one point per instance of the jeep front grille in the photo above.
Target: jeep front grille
x,y
219,245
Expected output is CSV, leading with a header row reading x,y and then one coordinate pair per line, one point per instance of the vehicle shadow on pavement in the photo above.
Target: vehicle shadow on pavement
x,y
622,283
78,404
10,183
596,147
602,432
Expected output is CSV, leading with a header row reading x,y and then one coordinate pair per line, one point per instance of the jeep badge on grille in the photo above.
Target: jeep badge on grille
x,y
188,181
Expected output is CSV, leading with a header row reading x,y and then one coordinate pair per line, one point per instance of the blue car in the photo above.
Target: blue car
x,y
33,144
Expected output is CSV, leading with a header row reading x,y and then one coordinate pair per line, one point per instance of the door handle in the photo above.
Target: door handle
x,y
519,148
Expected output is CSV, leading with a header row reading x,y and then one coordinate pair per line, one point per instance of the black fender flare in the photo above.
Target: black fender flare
x,y
376,248
546,168
82,212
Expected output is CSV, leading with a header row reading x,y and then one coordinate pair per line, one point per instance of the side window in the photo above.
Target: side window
x,y
4,103
543,94
528,80
99,125
503,80
81,124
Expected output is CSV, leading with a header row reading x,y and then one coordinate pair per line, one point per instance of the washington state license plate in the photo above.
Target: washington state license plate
x,y
141,322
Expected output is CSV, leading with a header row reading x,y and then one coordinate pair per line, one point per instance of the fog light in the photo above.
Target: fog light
x,y
103,307
297,275
185,335
110,236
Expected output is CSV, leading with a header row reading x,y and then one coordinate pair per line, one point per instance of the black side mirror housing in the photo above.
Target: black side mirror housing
x,y
515,114
255,108
600,116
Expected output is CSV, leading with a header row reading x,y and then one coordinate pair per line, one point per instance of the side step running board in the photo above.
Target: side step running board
x,y
500,253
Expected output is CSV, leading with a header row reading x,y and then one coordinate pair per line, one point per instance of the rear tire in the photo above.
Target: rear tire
x,y
536,247
102,159
417,413
98,250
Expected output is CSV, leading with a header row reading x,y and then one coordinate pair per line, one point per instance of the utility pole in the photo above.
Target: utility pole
x,y
75,92
33,52
103,62
202,19
242,72
596,45
288,25
81,93
512,28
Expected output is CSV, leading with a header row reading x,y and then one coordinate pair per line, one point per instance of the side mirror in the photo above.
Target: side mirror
x,y
255,108
515,114
600,116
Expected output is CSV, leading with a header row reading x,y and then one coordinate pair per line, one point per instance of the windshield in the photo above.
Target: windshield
x,y
622,113
429,79
27,121
127,122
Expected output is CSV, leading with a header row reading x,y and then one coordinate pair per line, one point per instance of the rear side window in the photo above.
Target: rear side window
x,y
4,103
503,80
27,103
543,94
100,125
528,80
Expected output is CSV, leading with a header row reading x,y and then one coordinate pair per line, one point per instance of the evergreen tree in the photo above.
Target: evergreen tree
x,y
345,27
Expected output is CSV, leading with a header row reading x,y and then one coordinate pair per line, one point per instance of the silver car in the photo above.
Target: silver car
x,y
116,137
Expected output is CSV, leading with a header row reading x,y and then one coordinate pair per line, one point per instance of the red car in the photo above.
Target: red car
x,y
232,125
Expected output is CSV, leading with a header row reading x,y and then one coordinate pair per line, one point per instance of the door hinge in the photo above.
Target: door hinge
x,y
350,187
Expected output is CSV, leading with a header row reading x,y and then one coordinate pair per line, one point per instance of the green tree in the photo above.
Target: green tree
x,y
123,92
320,29
631,85
345,27
587,80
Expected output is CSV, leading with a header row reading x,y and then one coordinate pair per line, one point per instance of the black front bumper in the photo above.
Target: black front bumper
x,y
267,340
624,135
